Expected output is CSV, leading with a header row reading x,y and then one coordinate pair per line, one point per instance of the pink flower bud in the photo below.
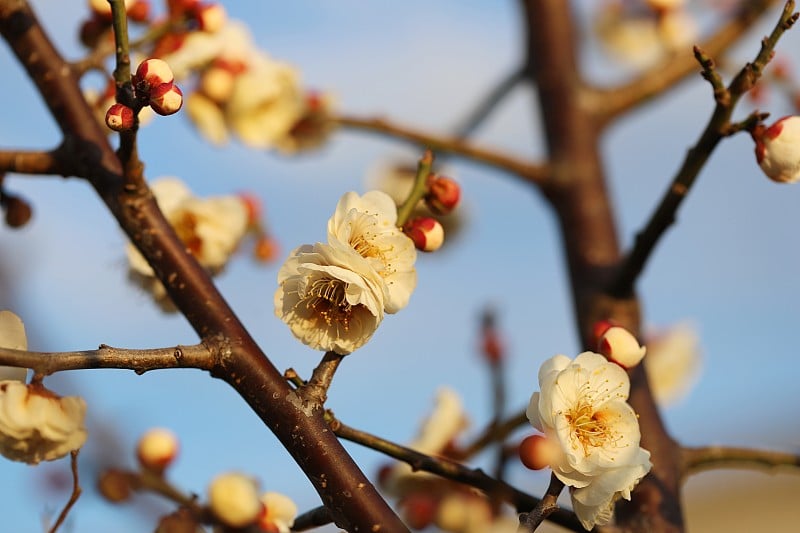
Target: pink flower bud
x,y
119,117
778,149
151,74
166,99
621,347
157,449
537,452
444,194
426,232
139,11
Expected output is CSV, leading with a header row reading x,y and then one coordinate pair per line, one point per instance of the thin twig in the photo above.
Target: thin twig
x,y
489,103
76,492
719,125
496,433
418,190
529,172
547,506
140,361
453,471
314,518
697,460
316,389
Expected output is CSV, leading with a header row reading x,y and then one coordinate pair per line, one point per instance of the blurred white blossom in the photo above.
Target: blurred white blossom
x,y
12,336
279,513
673,363
37,425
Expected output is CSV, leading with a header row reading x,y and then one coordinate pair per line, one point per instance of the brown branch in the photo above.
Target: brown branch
x,y
697,460
496,433
547,506
529,172
316,389
299,425
612,102
140,361
52,162
577,191
317,517
719,126
73,497
453,471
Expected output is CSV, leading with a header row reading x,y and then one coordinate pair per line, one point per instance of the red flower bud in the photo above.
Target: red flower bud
x,y
537,452
120,117
426,232
443,195
150,75
166,99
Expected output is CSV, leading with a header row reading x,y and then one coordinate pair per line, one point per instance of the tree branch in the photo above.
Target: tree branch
x,y
299,425
609,103
696,460
529,172
547,506
453,471
718,127
140,361
52,162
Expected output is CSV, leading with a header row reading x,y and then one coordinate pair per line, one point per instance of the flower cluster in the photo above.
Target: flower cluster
x,y
35,424
235,502
334,295
591,434
211,228
243,91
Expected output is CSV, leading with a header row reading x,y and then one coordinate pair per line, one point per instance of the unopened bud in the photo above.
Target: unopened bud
x,y
166,99
426,232
211,17
621,347
150,75
157,449
278,513
233,499
120,117
114,485
778,149
537,452
18,211
92,29
443,195
266,249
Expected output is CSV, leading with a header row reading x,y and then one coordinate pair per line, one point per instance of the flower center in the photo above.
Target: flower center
x,y
364,241
326,298
588,425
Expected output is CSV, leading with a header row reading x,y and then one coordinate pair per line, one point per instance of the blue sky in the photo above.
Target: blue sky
x,y
728,266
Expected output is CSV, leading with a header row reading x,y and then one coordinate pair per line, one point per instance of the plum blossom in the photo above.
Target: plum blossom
x,y
233,499
12,336
331,298
582,407
37,425
367,225
211,228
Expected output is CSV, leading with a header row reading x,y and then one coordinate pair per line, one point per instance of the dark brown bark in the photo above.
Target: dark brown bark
x,y
576,190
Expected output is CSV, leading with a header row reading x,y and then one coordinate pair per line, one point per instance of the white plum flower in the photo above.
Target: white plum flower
x,y
232,42
211,228
331,298
12,336
266,103
367,225
582,406
37,425
279,513
778,149
233,498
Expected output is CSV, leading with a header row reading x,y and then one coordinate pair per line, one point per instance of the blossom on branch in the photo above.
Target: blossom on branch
x,y
582,407
367,225
673,363
211,228
331,298
37,425
278,514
